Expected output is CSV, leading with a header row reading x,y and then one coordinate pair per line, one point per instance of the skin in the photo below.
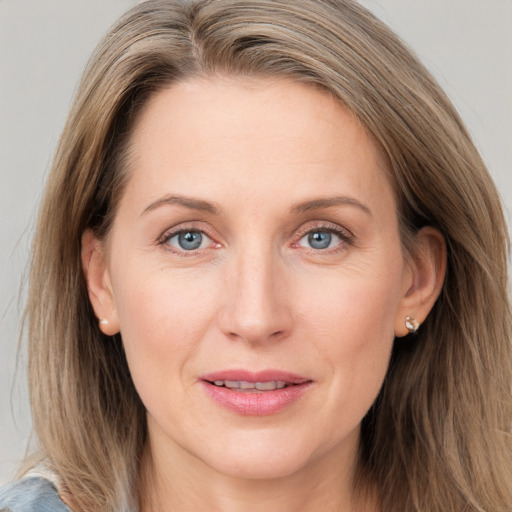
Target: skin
x,y
269,157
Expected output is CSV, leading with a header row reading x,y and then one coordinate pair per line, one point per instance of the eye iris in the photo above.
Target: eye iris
x,y
190,240
320,239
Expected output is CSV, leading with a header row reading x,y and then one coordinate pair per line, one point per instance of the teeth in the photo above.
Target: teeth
x,y
259,386
266,386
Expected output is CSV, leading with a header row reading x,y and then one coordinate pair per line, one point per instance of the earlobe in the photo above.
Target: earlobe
x,y
427,268
99,287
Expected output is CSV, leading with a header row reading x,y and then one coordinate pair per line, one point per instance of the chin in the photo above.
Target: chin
x,y
260,469
261,460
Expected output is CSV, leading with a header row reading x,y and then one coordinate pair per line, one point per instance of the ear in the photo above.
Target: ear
x,y
425,277
99,287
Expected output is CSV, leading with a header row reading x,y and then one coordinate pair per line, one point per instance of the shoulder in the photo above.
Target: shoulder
x,y
31,494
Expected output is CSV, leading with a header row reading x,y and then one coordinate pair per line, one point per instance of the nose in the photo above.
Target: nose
x,y
256,306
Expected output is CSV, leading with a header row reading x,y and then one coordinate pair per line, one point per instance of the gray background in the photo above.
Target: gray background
x,y
44,45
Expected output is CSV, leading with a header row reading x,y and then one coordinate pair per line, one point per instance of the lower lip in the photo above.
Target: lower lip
x,y
256,404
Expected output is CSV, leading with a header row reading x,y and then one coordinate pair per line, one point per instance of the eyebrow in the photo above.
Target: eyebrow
x,y
205,206
185,201
328,202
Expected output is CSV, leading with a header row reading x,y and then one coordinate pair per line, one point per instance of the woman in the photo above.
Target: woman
x,y
269,274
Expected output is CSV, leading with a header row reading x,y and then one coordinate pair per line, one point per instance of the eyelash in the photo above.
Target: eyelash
x,y
346,237
168,235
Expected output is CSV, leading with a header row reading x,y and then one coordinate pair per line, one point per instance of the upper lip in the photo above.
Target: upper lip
x,y
261,376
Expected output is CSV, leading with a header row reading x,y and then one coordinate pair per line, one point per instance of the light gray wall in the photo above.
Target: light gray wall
x,y
44,45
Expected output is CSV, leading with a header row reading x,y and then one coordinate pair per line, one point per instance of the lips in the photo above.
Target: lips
x,y
255,394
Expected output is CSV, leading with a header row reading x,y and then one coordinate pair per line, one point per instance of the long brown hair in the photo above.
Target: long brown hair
x,y
439,435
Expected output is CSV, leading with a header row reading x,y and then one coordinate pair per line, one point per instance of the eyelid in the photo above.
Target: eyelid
x,y
346,236
164,238
343,232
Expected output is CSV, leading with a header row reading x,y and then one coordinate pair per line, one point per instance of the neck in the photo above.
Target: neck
x,y
167,486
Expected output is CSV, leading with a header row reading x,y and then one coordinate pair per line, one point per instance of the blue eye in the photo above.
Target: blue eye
x,y
188,240
320,239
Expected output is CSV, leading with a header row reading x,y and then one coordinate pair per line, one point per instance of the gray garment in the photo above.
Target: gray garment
x,y
31,494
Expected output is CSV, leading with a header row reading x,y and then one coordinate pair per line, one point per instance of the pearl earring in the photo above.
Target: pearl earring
x,y
103,321
411,324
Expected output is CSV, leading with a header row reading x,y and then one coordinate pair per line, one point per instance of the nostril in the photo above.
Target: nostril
x,y
255,314
253,336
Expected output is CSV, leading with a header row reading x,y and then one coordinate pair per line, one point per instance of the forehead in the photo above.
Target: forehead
x,y
199,135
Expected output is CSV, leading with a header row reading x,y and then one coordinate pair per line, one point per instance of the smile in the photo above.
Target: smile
x,y
255,394
251,387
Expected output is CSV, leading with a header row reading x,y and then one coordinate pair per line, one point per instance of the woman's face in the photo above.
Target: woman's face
x,y
256,246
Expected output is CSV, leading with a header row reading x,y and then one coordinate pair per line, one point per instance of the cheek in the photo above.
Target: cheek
x,y
356,306
352,326
163,319
355,337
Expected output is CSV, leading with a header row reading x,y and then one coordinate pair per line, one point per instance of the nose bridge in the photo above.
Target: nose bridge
x,y
257,308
